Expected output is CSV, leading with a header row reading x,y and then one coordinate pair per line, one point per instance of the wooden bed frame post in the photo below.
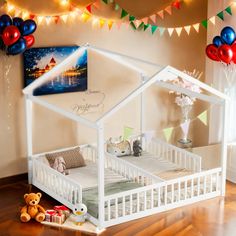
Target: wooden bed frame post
x,y
142,110
224,147
29,135
101,186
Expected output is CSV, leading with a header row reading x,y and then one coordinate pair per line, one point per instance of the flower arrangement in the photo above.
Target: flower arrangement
x,y
182,99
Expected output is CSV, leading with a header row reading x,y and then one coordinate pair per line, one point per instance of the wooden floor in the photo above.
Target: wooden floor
x,y
214,217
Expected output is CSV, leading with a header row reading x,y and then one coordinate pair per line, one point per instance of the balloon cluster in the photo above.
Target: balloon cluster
x,y
223,47
16,34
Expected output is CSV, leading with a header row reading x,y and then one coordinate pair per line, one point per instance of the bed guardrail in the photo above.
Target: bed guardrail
x,y
130,171
169,152
55,184
162,196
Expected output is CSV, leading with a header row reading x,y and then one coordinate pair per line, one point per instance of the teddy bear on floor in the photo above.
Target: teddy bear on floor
x,y
32,210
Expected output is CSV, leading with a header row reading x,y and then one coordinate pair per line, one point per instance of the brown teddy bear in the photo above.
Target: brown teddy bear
x,y
32,210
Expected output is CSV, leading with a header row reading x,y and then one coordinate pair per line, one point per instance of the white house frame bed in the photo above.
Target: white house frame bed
x,y
151,193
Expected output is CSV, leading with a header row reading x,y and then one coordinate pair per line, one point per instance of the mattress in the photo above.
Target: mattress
x,y
155,165
87,176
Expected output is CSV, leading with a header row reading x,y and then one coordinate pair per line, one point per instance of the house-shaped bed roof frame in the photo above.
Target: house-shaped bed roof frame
x,y
161,78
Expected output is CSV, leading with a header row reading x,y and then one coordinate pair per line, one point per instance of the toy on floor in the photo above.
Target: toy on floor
x,y
57,215
80,212
119,149
32,210
137,148
60,165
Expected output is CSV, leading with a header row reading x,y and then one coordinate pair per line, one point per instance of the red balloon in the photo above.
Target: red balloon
x,y
29,39
225,53
233,47
10,35
212,52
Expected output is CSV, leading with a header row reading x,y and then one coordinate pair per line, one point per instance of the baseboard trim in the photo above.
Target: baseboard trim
x,y
13,179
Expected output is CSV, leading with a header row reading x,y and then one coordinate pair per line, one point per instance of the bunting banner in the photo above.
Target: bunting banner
x,y
203,117
147,24
168,133
128,131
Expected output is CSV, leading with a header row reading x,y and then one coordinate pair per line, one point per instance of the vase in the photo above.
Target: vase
x,y
185,142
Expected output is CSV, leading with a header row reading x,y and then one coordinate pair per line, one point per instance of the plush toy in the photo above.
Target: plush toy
x,y
60,165
80,212
32,210
120,148
137,148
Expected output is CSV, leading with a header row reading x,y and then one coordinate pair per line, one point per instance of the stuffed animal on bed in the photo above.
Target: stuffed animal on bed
x,y
60,165
32,209
119,149
80,212
137,148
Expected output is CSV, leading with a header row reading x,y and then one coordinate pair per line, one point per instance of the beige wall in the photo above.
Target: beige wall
x,y
185,52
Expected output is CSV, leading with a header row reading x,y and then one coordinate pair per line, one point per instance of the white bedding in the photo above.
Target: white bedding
x,y
151,164
87,176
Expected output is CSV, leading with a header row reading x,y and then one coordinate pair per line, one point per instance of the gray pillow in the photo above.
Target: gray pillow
x,y
73,158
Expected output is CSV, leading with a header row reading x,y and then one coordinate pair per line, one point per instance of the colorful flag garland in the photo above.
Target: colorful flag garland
x,y
143,24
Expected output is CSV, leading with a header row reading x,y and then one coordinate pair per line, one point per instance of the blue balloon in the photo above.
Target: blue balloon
x,y
17,48
28,27
17,21
228,35
5,21
217,41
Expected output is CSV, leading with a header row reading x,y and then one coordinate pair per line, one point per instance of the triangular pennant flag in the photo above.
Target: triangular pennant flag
x,y
170,31
229,10
196,26
64,18
204,23
94,21
187,28
56,19
117,7
118,24
203,117
133,25
154,28
137,23
161,14
178,30
168,9
40,19
73,14
185,127
176,4
148,135
101,22
105,1
153,18
145,27
128,131
213,20
123,13
25,15
110,24
89,8
131,18
141,26
167,133
221,15
31,16
145,20
48,19
85,17
162,30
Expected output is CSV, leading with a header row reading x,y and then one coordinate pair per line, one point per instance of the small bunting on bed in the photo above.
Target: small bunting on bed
x,y
203,117
168,133
128,131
